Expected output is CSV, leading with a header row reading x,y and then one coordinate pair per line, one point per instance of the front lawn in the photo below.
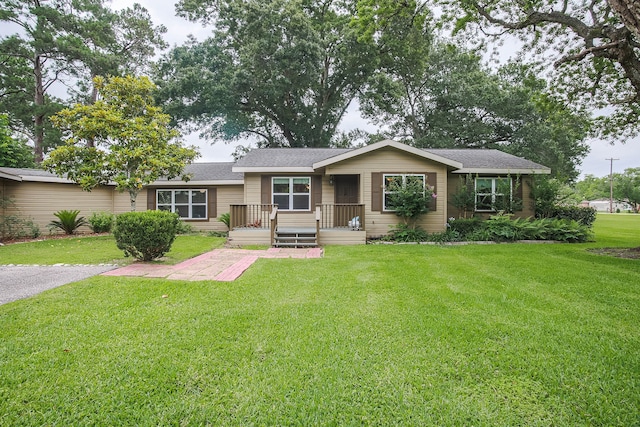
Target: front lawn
x,y
513,334
97,250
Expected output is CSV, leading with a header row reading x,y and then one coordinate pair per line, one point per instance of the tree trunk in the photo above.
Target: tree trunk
x,y
38,117
629,13
133,195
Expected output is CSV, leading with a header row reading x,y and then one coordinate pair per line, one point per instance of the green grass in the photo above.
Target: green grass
x,y
509,334
97,250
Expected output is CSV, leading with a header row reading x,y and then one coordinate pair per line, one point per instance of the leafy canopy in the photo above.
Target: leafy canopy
x,y
133,144
13,153
594,48
442,96
282,71
65,42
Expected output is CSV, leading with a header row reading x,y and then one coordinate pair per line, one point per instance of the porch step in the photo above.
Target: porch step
x,y
295,238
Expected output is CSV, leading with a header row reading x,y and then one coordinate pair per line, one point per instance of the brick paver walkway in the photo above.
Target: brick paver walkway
x,y
223,265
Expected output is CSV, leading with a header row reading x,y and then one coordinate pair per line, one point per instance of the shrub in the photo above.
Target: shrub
x,y
225,218
448,235
465,226
101,222
184,228
407,233
145,235
14,226
583,215
68,221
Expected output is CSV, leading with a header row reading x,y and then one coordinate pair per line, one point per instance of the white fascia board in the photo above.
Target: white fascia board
x,y
54,179
503,171
196,183
10,176
388,143
281,169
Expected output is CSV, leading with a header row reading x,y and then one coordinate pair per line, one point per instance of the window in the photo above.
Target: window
x,y
492,194
392,182
291,194
188,204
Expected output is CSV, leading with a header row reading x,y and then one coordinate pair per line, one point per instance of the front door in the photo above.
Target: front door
x,y
346,189
347,192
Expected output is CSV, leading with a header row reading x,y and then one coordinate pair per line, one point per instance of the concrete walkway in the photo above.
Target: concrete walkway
x,y
222,265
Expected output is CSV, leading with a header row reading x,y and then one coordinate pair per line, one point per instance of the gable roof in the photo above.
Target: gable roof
x,y
285,159
211,173
490,161
386,144
305,160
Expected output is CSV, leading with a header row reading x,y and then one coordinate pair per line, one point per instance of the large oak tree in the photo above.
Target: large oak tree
x,y
284,71
594,45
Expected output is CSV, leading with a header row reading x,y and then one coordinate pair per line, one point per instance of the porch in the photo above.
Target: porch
x,y
328,224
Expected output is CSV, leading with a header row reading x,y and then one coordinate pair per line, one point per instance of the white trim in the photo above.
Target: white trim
x,y
171,184
291,194
504,171
384,144
56,179
10,176
279,169
190,204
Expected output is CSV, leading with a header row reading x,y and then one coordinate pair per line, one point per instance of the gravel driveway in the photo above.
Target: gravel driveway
x,y
22,281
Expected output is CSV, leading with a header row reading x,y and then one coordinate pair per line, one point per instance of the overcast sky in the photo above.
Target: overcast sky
x,y
163,12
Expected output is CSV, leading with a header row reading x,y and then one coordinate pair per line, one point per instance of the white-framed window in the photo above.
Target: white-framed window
x,y
291,193
492,193
188,204
392,182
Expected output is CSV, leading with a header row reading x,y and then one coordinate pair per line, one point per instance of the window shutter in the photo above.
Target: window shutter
x,y
212,200
316,191
432,180
376,191
265,189
151,199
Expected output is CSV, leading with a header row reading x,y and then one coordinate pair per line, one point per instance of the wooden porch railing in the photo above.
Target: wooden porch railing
x,y
250,216
273,224
339,215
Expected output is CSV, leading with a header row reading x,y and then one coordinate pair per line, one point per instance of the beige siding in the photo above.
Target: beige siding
x,y
393,161
39,200
249,237
225,196
252,186
527,211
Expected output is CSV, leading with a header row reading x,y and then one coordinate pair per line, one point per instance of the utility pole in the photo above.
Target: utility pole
x,y
611,184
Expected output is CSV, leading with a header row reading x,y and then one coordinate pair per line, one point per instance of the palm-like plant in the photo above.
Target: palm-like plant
x,y
68,221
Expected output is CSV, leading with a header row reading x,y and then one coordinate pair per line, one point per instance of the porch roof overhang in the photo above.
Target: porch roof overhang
x,y
387,143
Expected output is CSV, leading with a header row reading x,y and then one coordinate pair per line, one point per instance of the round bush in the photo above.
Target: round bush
x,y
101,222
145,235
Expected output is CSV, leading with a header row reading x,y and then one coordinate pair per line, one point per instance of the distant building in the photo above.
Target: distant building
x,y
603,205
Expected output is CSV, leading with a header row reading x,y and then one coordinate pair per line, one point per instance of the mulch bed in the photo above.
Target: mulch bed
x,y
629,253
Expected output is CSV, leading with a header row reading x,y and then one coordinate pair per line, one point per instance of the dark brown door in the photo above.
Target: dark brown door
x,y
346,190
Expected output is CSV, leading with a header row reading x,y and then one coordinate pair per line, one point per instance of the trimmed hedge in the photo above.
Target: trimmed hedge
x,y
583,215
146,235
